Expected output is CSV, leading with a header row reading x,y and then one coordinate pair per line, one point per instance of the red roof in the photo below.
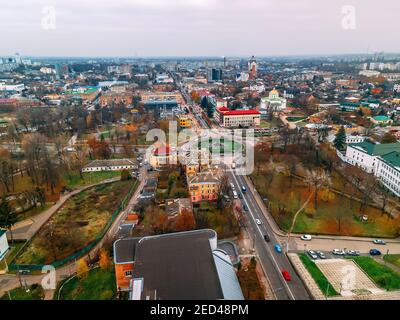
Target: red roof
x,y
162,151
226,112
5,100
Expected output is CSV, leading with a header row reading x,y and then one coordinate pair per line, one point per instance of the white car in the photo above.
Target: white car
x,y
313,254
321,254
379,241
338,252
306,237
258,221
232,186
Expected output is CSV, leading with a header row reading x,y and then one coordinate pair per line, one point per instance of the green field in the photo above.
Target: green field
x,y
382,275
318,276
392,258
98,285
74,180
34,292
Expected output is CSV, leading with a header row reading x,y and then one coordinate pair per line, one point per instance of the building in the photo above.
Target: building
x,y
152,96
176,266
175,207
253,68
381,120
272,103
355,139
237,118
3,244
116,98
388,171
184,121
204,186
365,154
214,75
85,93
110,165
163,156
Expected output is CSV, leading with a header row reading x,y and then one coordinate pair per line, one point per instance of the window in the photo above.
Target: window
x,y
128,273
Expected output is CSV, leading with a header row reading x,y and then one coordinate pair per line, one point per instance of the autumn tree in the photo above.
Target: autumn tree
x,y
104,260
82,268
185,221
388,138
317,179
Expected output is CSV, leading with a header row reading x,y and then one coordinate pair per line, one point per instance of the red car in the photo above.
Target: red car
x,y
286,275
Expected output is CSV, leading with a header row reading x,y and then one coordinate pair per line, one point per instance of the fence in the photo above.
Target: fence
x,y
80,253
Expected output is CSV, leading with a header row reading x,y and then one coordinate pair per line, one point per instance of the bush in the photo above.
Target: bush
x,y
125,175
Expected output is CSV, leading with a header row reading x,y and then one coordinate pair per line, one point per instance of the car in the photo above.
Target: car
x,y
245,208
240,196
338,252
306,237
232,186
379,241
278,248
321,254
312,254
374,252
235,196
267,238
286,275
353,253
258,221
244,189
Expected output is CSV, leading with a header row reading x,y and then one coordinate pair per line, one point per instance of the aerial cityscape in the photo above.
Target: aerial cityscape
x,y
190,169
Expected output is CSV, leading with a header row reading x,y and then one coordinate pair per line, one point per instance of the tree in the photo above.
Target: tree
x,y
185,221
388,138
317,179
125,175
82,269
340,139
7,217
105,260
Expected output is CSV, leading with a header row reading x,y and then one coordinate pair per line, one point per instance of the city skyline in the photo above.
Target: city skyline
x,y
177,28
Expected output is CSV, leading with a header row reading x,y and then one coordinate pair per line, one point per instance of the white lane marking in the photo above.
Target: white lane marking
x,y
269,250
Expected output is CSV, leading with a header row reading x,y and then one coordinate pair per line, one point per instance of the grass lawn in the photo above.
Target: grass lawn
x,y
336,215
98,285
318,276
35,292
392,258
14,248
382,275
74,226
74,181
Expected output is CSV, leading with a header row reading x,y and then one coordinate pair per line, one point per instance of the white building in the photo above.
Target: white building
x,y
12,87
388,171
237,118
369,73
355,139
3,243
110,165
272,103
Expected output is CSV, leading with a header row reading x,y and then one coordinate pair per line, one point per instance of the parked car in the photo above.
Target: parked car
x,y
321,254
379,241
374,252
245,208
338,252
286,275
353,253
267,238
278,248
232,186
258,221
306,237
312,254
240,196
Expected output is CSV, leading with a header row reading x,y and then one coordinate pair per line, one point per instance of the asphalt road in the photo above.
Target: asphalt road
x,y
272,262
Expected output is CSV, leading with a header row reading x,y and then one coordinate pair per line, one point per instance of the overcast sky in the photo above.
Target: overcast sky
x,y
197,27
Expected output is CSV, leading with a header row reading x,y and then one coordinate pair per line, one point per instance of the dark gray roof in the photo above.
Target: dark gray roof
x,y
178,267
124,250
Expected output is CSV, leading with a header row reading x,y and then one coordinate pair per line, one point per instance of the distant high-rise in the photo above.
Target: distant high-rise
x,y
253,67
214,75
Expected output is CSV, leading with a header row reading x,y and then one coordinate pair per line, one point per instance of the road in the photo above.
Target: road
x,y
272,262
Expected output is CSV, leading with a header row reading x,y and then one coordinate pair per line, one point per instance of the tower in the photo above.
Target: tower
x,y
253,68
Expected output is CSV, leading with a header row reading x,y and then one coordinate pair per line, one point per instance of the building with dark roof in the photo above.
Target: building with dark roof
x,y
177,266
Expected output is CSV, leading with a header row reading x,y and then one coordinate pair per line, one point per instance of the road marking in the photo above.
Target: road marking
x,y
268,249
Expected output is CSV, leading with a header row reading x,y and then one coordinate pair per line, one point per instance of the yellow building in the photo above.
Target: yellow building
x,y
204,186
184,121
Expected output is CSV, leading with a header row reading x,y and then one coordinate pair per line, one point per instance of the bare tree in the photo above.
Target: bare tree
x,y
317,179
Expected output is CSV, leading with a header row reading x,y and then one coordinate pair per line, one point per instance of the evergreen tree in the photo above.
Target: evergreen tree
x,y
340,139
7,217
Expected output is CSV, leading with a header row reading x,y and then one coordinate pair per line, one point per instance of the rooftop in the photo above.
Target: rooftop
x,y
393,158
376,149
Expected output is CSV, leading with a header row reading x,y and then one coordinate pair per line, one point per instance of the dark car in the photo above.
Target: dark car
x,y
245,208
267,238
374,252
